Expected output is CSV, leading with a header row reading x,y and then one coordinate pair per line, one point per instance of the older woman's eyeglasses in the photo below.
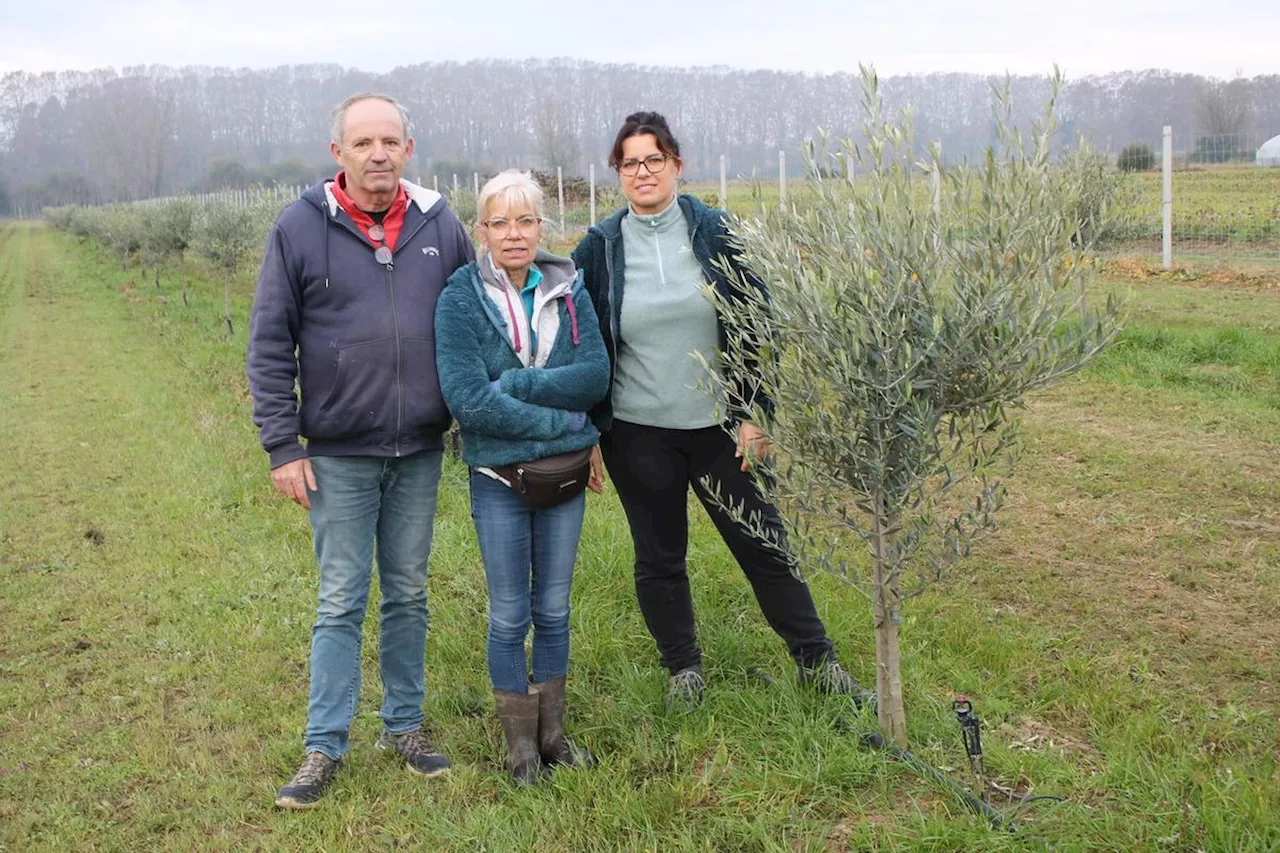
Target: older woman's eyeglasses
x,y
653,164
525,225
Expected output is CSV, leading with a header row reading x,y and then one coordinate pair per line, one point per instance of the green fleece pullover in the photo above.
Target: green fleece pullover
x,y
666,318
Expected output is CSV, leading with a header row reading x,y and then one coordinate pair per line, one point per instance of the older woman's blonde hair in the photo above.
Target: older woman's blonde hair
x,y
516,188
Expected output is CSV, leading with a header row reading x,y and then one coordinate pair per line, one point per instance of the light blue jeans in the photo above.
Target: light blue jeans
x,y
363,500
528,567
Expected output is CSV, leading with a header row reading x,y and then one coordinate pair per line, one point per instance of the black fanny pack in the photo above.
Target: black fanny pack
x,y
549,481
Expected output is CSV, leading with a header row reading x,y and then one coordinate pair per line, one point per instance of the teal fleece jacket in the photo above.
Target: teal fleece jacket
x,y
530,414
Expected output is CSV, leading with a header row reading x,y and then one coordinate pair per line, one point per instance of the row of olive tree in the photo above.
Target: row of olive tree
x,y
155,235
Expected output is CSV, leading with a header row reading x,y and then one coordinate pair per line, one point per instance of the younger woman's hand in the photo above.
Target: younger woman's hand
x,y
753,444
596,481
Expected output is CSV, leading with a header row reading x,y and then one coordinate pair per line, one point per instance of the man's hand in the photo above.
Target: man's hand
x,y
294,479
596,481
753,444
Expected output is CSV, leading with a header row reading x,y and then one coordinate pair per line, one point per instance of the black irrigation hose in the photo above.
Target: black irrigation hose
x,y
875,740
1022,801
763,676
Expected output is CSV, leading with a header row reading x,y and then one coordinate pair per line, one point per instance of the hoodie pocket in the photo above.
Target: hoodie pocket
x,y
423,402
363,396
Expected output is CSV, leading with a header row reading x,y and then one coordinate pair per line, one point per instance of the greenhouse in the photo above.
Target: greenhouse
x,y
1269,152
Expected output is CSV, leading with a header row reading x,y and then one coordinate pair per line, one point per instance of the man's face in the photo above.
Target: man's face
x,y
373,151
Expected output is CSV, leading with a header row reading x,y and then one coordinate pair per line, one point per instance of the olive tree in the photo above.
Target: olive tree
x,y
174,225
225,235
1104,197
906,320
120,227
151,250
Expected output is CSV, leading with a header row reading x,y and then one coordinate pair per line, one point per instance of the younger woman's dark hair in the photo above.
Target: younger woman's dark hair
x,y
638,124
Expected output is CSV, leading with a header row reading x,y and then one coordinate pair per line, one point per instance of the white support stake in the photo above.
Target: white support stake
x,y
1167,174
591,176
937,199
782,178
724,183
848,166
560,192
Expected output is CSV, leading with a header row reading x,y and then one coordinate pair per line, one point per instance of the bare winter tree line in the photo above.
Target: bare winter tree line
x,y
81,137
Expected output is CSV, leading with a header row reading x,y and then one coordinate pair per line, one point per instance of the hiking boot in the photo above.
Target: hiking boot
x,y
420,756
684,690
518,713
831,678
554,747
306,786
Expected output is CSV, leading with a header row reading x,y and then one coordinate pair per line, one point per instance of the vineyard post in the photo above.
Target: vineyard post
x,y
560,193
782,178
724,184
1166,169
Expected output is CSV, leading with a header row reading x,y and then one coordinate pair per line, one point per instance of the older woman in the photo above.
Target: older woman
x,y
662,434
521,360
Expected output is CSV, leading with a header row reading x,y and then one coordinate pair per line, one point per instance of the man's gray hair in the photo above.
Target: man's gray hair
x,y
340,113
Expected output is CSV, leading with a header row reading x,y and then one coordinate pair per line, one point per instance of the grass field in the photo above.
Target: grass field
x,y
1118,634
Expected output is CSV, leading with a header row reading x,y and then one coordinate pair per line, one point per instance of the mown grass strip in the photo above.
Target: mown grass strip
x,y
1116,634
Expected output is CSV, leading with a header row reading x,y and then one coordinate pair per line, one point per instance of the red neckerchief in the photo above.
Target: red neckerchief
x,y
391,222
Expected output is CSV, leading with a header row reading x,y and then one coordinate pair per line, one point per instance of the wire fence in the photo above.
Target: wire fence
x,y
1220,193
1223,201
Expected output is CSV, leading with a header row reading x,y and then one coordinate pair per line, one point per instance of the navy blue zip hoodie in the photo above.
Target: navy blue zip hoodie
x,y
356,336
602,259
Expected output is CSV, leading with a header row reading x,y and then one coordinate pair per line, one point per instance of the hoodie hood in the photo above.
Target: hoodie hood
x,y
429,202
557,271
500,302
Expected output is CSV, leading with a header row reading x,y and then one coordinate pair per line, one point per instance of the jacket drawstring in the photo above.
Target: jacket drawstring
x,y
573,316
515,324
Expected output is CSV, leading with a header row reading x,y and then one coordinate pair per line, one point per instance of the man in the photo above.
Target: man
x,y
345,308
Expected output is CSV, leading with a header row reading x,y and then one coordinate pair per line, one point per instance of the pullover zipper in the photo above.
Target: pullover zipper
x,y
657,245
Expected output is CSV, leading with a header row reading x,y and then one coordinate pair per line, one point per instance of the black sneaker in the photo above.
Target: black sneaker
x,y
684,690
306,786
831,678
419,754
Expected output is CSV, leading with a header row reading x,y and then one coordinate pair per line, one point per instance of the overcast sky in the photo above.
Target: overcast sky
x,y
1221,39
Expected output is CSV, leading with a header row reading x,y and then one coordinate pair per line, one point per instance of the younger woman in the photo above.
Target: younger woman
x,y
646,267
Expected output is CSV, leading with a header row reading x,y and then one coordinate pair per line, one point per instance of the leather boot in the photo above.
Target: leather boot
x,y
554,747
519,715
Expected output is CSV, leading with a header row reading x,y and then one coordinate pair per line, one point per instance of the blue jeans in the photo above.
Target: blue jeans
x,y
528,566
362,500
